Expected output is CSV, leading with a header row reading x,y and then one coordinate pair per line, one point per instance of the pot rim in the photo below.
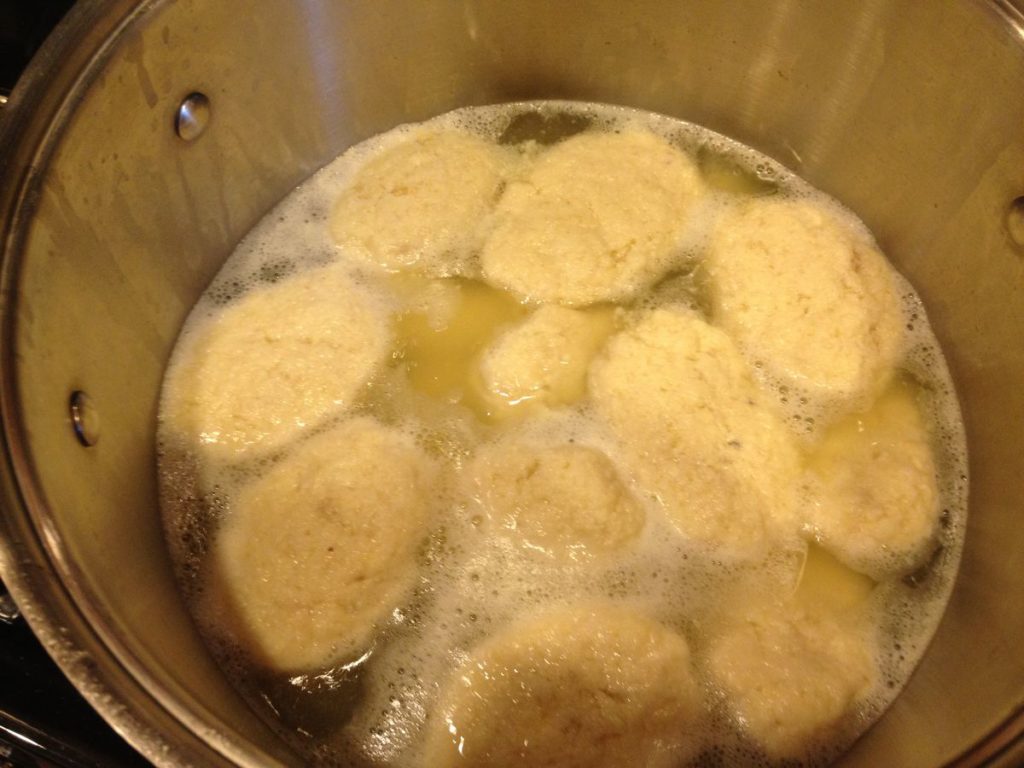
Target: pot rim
x,y
34,564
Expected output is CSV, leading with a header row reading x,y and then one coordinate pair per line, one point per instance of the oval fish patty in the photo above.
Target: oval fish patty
x,y
599,217
421,203
544,359
318,551
808,297
277,361
790,675
875,497
594,686
565,500
698,432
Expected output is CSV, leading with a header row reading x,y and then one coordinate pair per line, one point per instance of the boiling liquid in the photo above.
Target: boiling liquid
x,y
370,710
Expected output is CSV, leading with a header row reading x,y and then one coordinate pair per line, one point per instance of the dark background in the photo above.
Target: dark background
x,y
24,24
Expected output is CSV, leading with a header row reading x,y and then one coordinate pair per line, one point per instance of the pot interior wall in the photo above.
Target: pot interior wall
x,y
910,113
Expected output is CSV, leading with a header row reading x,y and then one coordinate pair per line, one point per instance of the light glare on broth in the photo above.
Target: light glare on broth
x,y
655,378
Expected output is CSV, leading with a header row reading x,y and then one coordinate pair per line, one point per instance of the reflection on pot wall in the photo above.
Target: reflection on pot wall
x,y
908,113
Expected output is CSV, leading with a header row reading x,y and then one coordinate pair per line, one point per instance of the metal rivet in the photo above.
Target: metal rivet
x,y
192,116
1015,221
84,419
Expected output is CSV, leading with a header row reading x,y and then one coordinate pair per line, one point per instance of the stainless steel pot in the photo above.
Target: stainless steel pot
x,y
118,207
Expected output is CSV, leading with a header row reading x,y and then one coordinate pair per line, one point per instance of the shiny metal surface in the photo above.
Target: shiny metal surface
x,y
193,116
910,113
85,421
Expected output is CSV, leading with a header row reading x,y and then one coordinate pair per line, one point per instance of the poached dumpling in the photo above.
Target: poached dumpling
x,y
316,553
697,432
593,686
809,298
874,491
274,363
599,217
422,203
543,360
563,500
790,675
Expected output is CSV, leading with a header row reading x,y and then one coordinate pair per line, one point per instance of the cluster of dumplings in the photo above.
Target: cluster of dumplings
x,y
688,434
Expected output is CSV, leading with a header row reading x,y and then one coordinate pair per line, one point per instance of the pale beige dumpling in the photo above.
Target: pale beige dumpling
x,y
790,676
594,686
315,554
808,297
698,433
423,203
272,364
599,218
565,501
875,499
543,359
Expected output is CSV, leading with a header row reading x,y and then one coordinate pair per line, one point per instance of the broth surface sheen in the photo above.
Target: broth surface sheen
x,y
640,477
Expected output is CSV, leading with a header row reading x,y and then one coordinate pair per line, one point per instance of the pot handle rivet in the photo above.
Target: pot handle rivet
x,y
84,419
1015,221
192,117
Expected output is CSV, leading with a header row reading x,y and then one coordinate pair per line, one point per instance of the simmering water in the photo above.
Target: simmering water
x,y
473,579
